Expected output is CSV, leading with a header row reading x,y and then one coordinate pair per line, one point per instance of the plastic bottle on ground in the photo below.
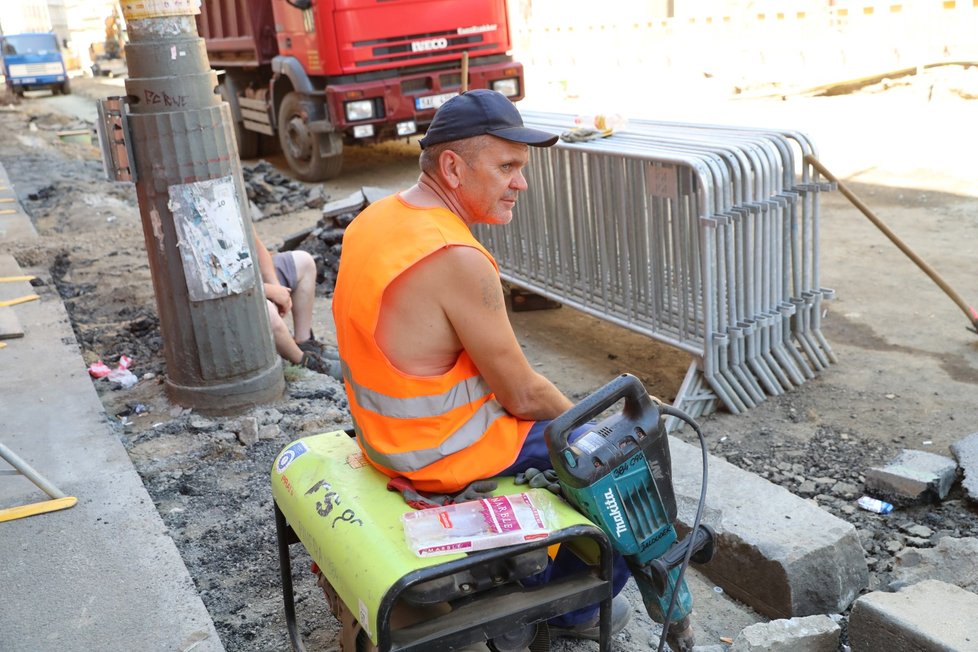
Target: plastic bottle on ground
x,y
875,505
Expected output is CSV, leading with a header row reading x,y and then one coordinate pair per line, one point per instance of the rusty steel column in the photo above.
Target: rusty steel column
x,y
220,358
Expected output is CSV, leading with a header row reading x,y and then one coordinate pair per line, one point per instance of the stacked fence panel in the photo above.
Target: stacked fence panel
x,y
704,237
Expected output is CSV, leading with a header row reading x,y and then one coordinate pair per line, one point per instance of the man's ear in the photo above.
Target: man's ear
x,y
450,165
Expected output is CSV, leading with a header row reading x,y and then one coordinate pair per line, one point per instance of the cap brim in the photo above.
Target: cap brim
x,y
526,135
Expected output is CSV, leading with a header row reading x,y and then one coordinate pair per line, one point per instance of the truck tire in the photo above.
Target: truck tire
x,y
66,88
301,146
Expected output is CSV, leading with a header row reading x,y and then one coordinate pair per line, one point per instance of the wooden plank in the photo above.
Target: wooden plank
x,y
255,116
8,269
253,104
16,301
260,128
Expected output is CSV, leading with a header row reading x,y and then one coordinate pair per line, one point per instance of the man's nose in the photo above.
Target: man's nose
x,y
519,182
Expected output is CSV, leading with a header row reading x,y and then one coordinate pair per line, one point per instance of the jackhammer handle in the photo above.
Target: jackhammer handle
x,y
625,386
702,541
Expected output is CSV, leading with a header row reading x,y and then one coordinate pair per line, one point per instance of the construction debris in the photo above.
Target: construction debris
x,y
324,239
273,193
966,453
808,634
931,615
914,477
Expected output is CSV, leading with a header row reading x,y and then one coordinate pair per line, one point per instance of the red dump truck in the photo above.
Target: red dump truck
x,y
318,74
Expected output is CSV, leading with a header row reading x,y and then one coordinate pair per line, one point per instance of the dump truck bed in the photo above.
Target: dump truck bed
x,y
238,33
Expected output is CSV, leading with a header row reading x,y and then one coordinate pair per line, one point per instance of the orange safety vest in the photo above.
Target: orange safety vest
x,y
442,432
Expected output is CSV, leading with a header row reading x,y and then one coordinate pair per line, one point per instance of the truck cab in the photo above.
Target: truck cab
x,y
316,75
33,62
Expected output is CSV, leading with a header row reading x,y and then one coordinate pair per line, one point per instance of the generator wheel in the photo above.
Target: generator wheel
x,y
535,638
363,642
300,145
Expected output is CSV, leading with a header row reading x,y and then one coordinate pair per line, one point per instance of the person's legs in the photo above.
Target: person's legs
x,y
296,270
534,454
303,294
567,563
285,346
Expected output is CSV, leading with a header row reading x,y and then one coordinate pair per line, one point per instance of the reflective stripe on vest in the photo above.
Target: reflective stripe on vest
x,y
405,408
417,407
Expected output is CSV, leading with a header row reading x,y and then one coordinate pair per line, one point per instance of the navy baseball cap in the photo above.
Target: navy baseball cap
x,y
482,111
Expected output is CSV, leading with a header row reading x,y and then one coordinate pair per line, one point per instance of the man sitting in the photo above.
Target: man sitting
x,y
290,287
439,388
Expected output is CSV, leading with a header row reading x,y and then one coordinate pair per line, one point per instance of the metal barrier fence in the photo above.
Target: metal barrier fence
x,y
703,237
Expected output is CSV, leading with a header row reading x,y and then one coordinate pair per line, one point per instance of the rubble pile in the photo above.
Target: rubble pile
x,y
272,193
833,469
324,242
324,239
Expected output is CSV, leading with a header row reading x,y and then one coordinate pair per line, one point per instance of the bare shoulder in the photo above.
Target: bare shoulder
x,y
467,273
455,266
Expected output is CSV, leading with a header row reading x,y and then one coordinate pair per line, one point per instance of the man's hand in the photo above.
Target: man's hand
x,y
281,296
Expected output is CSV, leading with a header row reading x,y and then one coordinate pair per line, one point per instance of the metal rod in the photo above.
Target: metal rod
x,y
968,310
28,471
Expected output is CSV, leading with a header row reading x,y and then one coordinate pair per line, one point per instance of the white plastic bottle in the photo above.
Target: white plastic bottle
x,y
875,505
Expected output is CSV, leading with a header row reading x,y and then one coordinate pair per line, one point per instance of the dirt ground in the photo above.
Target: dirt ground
x,y
905,377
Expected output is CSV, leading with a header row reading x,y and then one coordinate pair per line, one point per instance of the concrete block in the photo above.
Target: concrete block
x,y
808,634
782,555
951,560
931,616
914,477
373,193
965,452
248,431
351,203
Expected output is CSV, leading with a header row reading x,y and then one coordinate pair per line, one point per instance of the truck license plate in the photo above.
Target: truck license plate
x,y
432,101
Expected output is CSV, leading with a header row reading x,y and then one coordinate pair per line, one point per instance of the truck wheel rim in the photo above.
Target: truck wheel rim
x,y
300,139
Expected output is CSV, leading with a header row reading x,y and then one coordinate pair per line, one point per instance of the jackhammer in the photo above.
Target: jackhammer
x,y
619,474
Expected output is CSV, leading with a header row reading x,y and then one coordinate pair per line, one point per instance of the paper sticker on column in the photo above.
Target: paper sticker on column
x,y
661,181
137,9
213,246
289,455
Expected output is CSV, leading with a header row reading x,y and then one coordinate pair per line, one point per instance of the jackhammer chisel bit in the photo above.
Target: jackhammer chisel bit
x,y
618,473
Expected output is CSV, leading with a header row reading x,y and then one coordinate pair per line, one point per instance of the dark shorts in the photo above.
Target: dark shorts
x,y
534,454
285,269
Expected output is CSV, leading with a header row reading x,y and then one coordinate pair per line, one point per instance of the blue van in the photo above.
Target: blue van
x,y
33,62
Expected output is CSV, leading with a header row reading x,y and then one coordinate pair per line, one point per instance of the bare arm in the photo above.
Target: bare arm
x,y
275,292
472,299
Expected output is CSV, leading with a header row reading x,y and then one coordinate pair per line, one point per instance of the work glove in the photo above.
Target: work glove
x,y
476,491
538,479
584,134
418,500
412,496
